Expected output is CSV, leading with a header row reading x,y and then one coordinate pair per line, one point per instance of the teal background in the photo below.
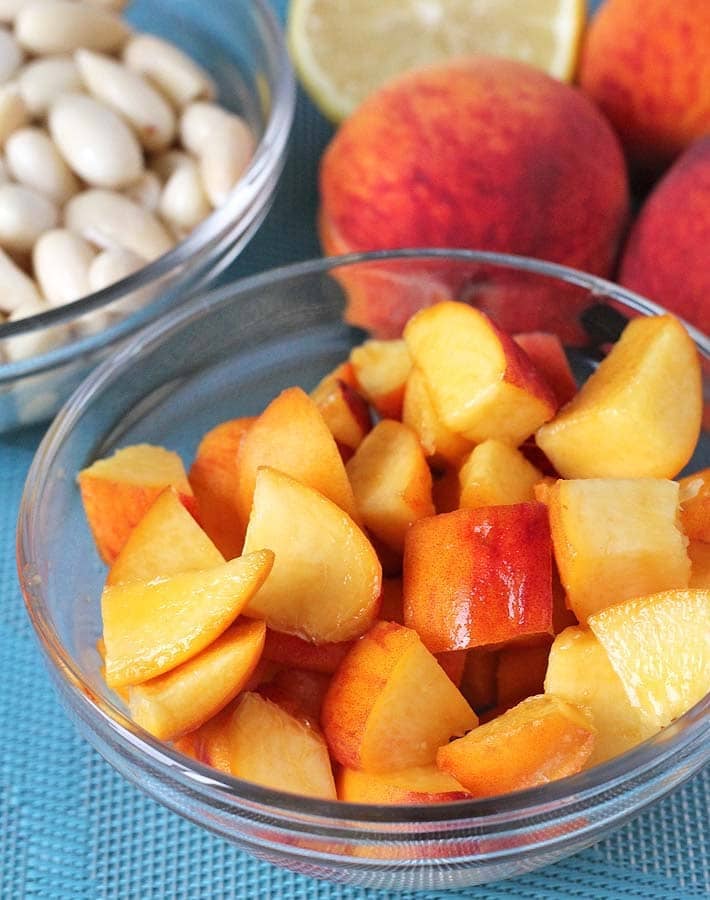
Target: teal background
x,y
70,827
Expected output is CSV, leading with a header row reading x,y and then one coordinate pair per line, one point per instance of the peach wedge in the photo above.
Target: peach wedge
x,y
638,414
579,671
153,626
269,746
659,646
291,435
441,445
539,740
391,482
381,369
214,478
167,540
118,490
326,580
186,697
616,538
419,784
482,383
496,474
390,704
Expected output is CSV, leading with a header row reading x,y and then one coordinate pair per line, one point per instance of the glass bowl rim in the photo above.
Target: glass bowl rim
x,y
537,801
242,201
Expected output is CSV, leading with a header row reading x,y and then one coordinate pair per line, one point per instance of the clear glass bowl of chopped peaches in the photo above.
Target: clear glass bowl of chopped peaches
x,y
408,610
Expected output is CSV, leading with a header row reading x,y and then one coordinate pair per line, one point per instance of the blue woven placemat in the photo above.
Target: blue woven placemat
x,y
70,827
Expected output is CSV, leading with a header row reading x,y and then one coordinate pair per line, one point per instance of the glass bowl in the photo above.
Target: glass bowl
x,y
226,354
240,43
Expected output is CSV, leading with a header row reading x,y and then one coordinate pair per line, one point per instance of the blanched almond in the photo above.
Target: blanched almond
x,y
95,142
146,191
109,220
183,202
130,95
43,80
34,161
32,343
62,26
16,287
24,215
11,55
180,78
61,261
225,158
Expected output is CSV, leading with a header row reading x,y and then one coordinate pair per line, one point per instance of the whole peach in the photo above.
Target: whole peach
x,y
667,255
481,153
646,63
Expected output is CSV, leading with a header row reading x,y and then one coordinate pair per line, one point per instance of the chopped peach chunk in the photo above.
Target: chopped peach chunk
x,y
495,474
418,784
214,478
117,492
326,580
441,445
186,697
616,538
695,505
659,646
390,704
271,747
152,626
539,740
291,650
521,672
639,414
167,540
344,410
391,482
381,369
548,355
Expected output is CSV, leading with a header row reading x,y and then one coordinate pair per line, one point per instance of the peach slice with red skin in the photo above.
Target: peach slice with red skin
x,y
167,540
418,784
482,383
271,747
638,415
293,651
187,696
391,482
321,555
548,355
541,739
478,577
695,505
214,477
344,410
616,538
381,369
118,490
153,626
291,435
390,704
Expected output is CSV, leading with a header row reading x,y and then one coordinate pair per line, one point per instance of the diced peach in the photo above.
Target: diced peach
x,y
419,784
453,663
391,609
441,445
539,740
326,580
616,538
293,651
210,742
521,672
117,492
495,474
659,646
391,482
548,355
478,682
639,413
541,488
167,540
291,436
344,411
699,553
153,626
482,383
187,696
381,369
695,505
579,671
271,747
478,577
214,478
299,692
390,704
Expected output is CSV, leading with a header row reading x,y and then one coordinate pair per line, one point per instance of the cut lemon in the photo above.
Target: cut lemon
x,y
345,49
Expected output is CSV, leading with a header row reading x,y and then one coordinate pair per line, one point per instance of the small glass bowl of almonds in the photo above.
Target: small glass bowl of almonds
x,y
140,148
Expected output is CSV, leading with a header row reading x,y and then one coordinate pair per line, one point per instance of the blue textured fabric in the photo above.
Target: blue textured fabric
x,y
70,827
